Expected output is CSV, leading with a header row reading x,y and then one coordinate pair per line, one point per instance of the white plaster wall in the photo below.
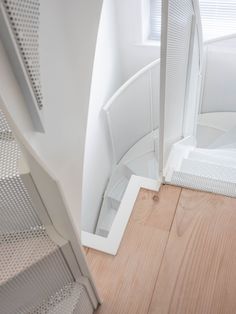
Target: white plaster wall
x,y
134,51
67,45
107,78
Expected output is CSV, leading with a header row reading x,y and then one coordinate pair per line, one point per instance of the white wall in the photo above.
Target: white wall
x,y
107,78
135,53
67,45
219,92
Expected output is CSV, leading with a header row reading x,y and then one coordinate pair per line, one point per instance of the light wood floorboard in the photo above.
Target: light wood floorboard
x,y
198,271
126,281
178,256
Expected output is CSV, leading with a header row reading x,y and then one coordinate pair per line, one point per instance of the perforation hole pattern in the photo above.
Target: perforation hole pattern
x,y
72,298
23,17
32,267
16,209
29,245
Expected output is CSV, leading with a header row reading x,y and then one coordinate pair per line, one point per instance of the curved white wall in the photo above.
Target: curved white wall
x,y
107,77
219,93
67,45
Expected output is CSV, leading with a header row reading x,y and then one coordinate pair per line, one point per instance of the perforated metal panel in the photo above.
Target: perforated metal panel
x,y
20,250
73,298
3,124
176,42
23,16
203,184
32,267
16,210
42,279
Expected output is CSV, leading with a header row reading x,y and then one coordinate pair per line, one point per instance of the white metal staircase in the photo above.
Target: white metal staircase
x,y
35,274
212,168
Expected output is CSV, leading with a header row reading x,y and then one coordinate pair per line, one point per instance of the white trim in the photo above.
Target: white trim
x,y
112,242
129,82
221,38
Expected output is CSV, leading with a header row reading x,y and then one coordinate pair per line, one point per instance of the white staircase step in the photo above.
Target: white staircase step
x,y
212,157
113,203
207,135
117,191
227,139
209,170
71,299
32,268
30,246
144,166
222,153
203,183
105,221
12,162
231,146
120,173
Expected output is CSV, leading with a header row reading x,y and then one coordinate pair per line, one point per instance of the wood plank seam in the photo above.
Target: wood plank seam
x,y
177,204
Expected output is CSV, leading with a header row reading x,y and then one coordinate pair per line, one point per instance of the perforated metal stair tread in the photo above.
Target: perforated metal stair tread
x,y
12,162
209,170
203,183
19,251
72,298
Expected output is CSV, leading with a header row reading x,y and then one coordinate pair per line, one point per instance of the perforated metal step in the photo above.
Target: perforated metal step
x,y
72,298
19,251
32,268
16,210
209,170
203,183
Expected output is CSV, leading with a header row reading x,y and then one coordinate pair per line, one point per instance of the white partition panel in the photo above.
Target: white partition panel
x,y
178,19
133,111
219,92
193,84
155,84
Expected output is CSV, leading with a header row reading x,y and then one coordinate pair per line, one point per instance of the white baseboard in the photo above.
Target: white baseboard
x,y
111,243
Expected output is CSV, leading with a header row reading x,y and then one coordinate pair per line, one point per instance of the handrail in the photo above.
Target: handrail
x,y
129,82
221,38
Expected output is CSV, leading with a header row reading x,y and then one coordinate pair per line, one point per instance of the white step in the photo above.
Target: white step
x,y
71,299
212,157
145,166
228,139
32,268
113,203
105,221
203,183
231,146
117,191
209,170
207,135
222,153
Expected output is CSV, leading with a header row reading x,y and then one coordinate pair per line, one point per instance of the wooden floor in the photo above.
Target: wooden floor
x,y
178,255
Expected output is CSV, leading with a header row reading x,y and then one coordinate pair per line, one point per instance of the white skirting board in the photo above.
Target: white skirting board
x,y
111,243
